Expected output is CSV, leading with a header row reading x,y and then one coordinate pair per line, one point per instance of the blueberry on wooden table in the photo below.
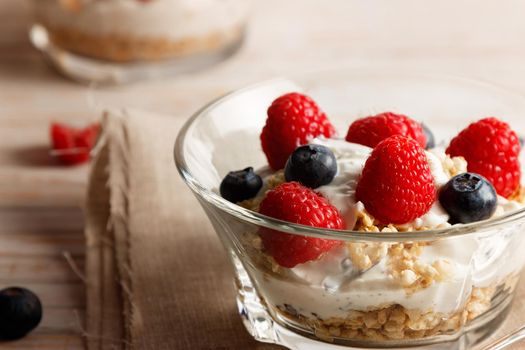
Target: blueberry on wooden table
x,y
20,312
240,185
311,165
468,197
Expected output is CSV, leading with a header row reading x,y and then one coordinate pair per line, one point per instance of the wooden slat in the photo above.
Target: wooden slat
x,y
41,219
67,320
30,244
47,342
39,269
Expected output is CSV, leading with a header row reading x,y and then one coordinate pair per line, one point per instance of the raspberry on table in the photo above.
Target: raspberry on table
x,y
369,131
491,149
396,185
295,203
74,143
293,120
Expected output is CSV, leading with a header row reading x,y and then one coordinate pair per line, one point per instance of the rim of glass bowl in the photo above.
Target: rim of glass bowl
x,y
348,235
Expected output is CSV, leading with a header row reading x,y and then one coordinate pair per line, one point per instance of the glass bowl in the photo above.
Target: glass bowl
x,y
302,307
121,41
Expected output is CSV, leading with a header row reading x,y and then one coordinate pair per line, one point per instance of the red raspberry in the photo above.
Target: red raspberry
x,y
293,119
370,131
491,149
73,144
396,185
295,203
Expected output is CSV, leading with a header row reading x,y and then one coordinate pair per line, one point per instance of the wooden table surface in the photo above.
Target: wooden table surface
x,y
40,202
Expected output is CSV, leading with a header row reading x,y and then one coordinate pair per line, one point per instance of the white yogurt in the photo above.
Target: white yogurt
x,y
435,163
435,217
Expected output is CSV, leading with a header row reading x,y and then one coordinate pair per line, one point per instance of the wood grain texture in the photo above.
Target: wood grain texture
x,y
40,215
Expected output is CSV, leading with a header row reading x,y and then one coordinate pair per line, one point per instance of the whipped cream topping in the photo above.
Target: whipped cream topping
x,y
504,206
435,159
434,218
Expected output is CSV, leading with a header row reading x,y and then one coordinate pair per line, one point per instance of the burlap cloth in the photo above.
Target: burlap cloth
x,y
157,276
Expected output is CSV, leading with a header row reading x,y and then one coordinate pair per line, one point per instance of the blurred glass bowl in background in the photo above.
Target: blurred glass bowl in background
x,y
117,41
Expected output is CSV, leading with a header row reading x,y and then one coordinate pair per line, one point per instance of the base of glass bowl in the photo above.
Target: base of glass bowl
x,y
266,328
89,70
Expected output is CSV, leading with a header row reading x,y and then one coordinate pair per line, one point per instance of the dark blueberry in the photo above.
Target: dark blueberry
x,y
468,197
240,185
20,312
311,165
522,141
431,143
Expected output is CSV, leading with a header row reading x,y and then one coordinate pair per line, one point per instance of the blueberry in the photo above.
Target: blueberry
x,y
522,141
431,143
240,185
20,312
468,197
311,165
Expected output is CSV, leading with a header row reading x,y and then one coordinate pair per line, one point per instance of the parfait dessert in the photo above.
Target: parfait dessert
x,y
386,175
143,30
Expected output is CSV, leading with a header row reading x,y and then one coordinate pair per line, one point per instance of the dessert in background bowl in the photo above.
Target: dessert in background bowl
x,y
131,30
364,228
140,31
